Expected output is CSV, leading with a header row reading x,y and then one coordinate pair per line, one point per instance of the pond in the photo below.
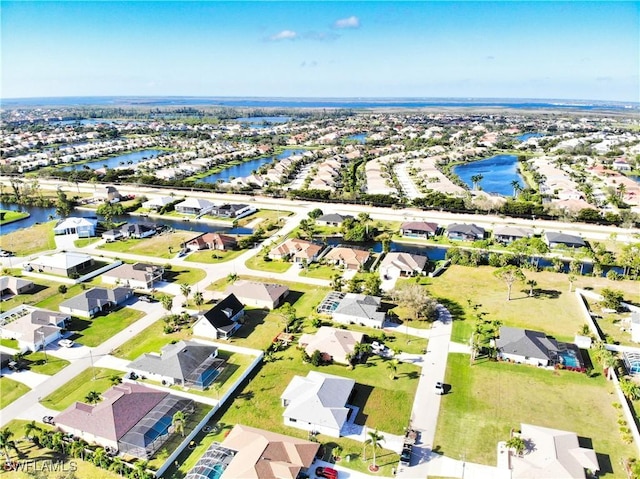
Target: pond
x,y
247,168
360,138
42,215
259,122
115,161
526,136
497,173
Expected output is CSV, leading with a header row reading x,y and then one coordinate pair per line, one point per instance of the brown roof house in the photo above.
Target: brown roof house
x,y
402,264
136,276
349,258
251,453
131,419
297,250
260,295
334,344
214,241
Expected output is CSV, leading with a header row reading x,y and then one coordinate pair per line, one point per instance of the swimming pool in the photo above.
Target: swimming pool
x,y
569,358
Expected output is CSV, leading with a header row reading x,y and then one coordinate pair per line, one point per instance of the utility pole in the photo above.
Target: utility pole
x,y
44,347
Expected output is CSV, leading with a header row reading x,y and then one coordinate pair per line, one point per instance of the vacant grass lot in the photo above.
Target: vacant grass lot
x,y
7,216
274,266
79,387
30,240
156,246
181,275
28,450
266,216
11,390
92,332
214,256
53,365
149,340
51,297
81,243
489,398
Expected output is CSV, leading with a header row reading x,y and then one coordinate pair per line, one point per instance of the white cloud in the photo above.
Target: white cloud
x,y
349,22
284,35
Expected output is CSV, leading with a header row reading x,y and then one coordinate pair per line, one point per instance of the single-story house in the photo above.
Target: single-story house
x,y
95,300
334,344
135,276
464,232
83,227
349,258
317,402
552,453
131,419
360,309
32,327
194,206
221,321
297,250
508,234
554,239
130,230
156,204
258,454
331,219
12,286
215,241
536,348
233,211
258,294
62,264
185,363
635,327
418,229
398,264
109,194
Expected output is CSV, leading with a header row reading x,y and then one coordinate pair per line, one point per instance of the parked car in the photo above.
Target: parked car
x,y
439,388
405,456
48,420
146,299
65,343
326,472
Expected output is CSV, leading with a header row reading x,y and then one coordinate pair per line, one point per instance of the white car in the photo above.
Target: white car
x,y
66,343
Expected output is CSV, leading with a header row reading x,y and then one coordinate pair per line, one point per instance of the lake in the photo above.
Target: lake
x,y
116,161
259,122
42,215
360,138
526,136
635,178
248,167
497,174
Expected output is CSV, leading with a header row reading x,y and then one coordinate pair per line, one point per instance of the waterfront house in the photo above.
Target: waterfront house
x,y
83,227
349,258
418,229
555,240
185,363
258,294
508,234
464,232
331,219
296,250
140,276
214,241
221,321
194,206
317,403
94,301
157,203
394,265
232,211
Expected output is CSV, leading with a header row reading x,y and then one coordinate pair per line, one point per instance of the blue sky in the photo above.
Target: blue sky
x,y
572,50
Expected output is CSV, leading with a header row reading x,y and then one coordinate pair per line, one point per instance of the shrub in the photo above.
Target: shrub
x,y
62,289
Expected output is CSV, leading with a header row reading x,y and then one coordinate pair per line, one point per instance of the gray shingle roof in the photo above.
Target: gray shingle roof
x,y
176,361
524,342
553,237
360,306
96,297
465,229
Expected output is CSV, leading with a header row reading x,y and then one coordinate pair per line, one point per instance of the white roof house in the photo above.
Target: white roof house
x,y
83,227
158,202
194,206
62,263
317,402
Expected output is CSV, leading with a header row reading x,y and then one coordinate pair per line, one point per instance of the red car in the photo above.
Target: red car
x,y
326,472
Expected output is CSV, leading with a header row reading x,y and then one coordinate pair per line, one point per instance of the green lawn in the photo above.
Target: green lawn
x,y
274,266
36,363
213,257
7,216
28,450
79,387
157,246
52,298
321,271
151,339
181,275
489,398
9,343
92,332
266,215
30,240
11,390
81,243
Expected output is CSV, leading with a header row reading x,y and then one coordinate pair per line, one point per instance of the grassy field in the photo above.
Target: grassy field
x,y
321,271
274,266
151,339
28,450
11,390
7,216
179,274
30,240
81,243
266,215
489,398
213,257
52,298
79,387
53,365
92,332
9,343
156,246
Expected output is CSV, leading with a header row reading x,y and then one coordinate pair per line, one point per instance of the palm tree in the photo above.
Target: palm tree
x,y
476,179
77,449
167,302
31,428
92,397
140,470
178,421
198,299
99,457
185,289
375,438
630,389
392,366
532,283
517,444
57,441
515,184
117,465
115,379
336,452
6,443
232,278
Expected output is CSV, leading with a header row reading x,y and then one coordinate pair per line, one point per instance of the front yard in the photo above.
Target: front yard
x,y
92,332
151,339
274,266
165,245
79,387
214,256
11,390
489,398
36,362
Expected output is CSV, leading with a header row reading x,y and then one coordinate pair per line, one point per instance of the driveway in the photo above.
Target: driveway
x,y
25,377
